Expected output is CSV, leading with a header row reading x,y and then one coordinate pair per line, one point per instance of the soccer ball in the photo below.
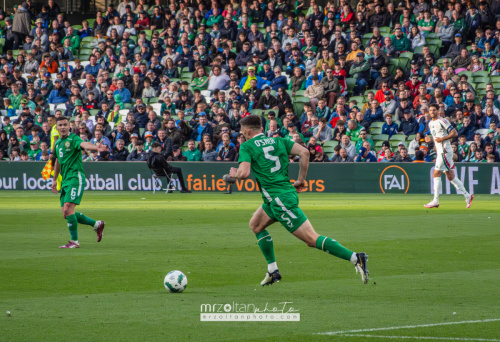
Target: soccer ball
x,y
175,281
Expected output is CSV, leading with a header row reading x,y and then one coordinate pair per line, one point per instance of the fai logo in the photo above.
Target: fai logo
x,y
394,179
66,144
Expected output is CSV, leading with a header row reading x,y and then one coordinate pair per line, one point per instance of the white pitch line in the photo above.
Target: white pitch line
x,y
409,326
426,338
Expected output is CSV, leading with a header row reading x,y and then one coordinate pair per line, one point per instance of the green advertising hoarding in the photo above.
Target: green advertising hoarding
x,y
479,178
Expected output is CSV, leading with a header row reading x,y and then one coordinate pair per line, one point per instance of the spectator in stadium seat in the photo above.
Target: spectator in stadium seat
x,y
363,138
322,132
350,147
342,157
209,153
490,117
400,42
456,48
192,153
176,154
360,70
374,113
58,94
138,153
390,128
226,152
403,156
388,105
201,128
409,125
119,153
364,156
122,91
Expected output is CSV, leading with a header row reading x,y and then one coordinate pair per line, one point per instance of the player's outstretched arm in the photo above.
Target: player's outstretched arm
x,y
89,147
303,154
242,172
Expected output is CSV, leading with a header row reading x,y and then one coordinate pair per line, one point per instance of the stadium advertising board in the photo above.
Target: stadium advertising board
x,y
479,178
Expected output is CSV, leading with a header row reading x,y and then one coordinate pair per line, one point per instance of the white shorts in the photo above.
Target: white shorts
x,y
444,162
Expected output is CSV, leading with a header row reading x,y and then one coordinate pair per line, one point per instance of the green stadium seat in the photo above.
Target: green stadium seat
x,y
141,131
256,111
375,131
468,73
77,27
328,149
87,39
411,137
368,35
495,79
330,154
93,112
376,125
150,100
85,51
478,74
380,137
398,137
330,143
299,93
84,57
298,108
351,83
91,22
418,49
301,99
394,63
385,29
368,90
359,99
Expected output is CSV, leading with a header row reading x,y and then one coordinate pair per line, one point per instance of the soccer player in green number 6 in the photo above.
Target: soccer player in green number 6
x,y
267,158
68,153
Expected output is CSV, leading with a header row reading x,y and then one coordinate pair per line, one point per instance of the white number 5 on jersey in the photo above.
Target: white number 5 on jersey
x,y
275,159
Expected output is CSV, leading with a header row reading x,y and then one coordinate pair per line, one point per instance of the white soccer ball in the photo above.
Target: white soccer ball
x,y
175,281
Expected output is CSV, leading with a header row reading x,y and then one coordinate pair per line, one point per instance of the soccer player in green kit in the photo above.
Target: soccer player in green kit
x,y
267,159
68,153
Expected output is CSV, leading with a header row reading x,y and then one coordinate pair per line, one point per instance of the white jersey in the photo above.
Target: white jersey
x,y
439,129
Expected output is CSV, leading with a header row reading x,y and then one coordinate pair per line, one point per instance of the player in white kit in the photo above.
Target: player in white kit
x,y
443,132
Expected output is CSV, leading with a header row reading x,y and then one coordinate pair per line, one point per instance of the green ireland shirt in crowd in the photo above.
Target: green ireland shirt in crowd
x,y
69,155
269,163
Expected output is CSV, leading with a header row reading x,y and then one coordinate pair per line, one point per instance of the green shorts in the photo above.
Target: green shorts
x,y
72,191
285,210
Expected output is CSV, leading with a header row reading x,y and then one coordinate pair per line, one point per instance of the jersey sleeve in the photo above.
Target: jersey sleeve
x,y
288,145
446,125
244,154
76,142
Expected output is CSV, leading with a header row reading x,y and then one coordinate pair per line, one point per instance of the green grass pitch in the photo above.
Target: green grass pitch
x,y
429,269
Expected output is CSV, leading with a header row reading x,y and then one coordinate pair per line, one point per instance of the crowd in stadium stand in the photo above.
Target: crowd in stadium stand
x,y
351,83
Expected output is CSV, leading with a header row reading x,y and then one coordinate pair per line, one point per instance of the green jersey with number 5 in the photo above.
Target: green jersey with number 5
x,y
69,155
269,162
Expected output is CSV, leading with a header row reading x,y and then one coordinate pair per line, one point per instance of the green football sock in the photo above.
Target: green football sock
x,y
73,227
266,245
331,246
84,219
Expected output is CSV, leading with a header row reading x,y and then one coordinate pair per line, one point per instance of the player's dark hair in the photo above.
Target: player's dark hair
x,y
252,121
155,145
61,118
434,105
